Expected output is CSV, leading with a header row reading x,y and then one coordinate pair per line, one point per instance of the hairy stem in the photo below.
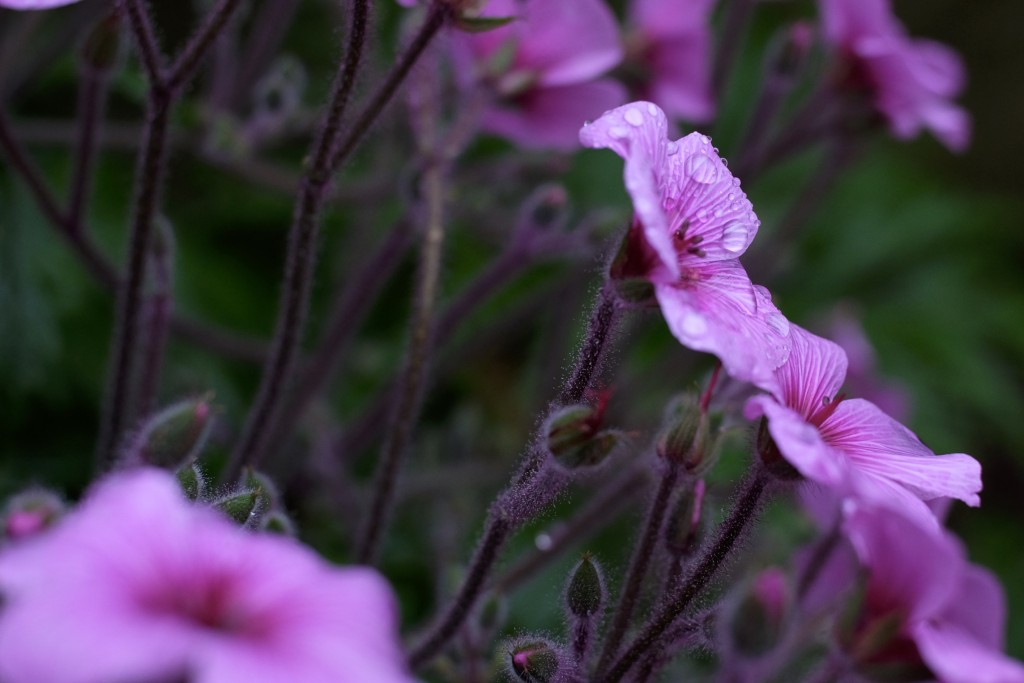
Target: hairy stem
x,y
92,99
145,39
149,178
195,50
638,564
409,398
300,264
529,493
436,19
710,560
159,310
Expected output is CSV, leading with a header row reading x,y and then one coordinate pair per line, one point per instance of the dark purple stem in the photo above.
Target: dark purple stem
x,y
197,47
91,105
160,306
436,18
738,14
145,39
638,564
711,559
343,322
300,264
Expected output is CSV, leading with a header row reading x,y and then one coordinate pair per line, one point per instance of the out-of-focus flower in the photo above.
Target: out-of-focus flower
x,y
935,607
29,513
138,584
692,221
668,56
34,4
862,376
541,71
849,445
911,81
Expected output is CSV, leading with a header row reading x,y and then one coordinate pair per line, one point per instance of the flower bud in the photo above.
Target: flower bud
x,y
685,436
585,593
101,51
534,661
573,436
192,481
242,506
277,522
30,512
174,436
756,624
684,528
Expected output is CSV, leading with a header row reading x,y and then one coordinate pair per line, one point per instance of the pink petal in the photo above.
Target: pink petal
x,y
721,312
637,132
34,4
549,117
569,41
882,448
911,569
979,608
813,374
680,76
847,20
657,18
801,444
955,656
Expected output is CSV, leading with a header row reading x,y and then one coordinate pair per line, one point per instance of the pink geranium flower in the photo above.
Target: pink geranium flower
x,y
691,223
34,4
541,71
140,585
912,81
850,446
669,55
949,614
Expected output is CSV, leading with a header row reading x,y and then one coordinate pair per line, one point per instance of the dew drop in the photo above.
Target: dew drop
x,y
618,132
734,237
702,169
672,148
652,109
702,214
718,213
778,322
634,117
730,196
544,542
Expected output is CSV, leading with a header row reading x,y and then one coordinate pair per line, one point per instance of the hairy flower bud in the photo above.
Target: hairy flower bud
x,y
101,51
757,621
29,513
534,661
192,481
684,438
628,270
242,506
574,437
585,594
174,436
684,528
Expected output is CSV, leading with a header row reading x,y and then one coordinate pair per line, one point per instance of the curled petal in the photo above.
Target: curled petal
x,y
881,447
801,444
955,656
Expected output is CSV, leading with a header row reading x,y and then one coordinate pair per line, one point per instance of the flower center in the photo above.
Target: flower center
x,y
828,406
687,244
209,602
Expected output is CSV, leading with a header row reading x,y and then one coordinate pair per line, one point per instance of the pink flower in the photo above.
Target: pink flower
x,y
912,82
540,70
669,48
862,376
691,223
34,4
850,446
140,585
949,614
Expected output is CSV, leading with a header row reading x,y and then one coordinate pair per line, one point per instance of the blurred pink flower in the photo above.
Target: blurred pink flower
x,y
542,69
850,446
862,377
912,81
669,55
691,223
34,4
951,615
138,584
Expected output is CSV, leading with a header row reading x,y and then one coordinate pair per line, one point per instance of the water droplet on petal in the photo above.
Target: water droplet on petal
x,y
634,117
672,148
618,132
702,214
734,237
652,108
777,322
718,213
730,196
702,169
